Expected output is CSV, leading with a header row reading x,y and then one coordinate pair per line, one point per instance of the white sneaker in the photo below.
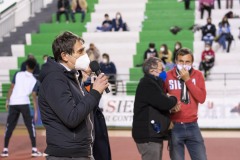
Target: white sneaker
x,y
4,154
36,154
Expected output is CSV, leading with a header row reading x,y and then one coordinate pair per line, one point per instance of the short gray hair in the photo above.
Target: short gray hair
x,y
150,63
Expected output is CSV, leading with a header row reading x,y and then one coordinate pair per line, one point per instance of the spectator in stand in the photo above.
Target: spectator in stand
x,y
187,4
45,58
106,24
206,5
93,52
63,8
231,15
229,4
109,69
165,54
177,47
151,51
78,6
208,32
207,60
224,34
219,4
36,70
118,23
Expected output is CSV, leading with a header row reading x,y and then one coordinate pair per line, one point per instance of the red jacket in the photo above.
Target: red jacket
x,y
196,91
208,55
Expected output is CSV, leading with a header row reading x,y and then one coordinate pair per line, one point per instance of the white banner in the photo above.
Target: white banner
x,y
223,112
118,110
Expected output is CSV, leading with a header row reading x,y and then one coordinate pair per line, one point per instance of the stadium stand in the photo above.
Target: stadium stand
x,y
159,18
224,76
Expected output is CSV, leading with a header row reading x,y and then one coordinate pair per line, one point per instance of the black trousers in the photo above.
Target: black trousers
x,y
219,4
14,112
187,4
229,4
209,9
59,13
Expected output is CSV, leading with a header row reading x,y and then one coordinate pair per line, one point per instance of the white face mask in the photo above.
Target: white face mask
x,y
104,60
207,48
162,49
151,49
180,67
45,61
82,63
177,47
118,16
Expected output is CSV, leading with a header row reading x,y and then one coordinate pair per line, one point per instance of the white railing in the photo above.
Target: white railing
x,y
18,13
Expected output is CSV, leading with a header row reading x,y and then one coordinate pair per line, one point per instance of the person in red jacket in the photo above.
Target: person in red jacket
x,y
207,61
188,85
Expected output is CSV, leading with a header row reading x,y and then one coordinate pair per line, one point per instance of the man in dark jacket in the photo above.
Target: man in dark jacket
x,y
67,112
151,119
208,32
63,8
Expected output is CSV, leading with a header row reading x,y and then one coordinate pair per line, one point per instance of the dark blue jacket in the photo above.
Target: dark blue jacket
x,y
101,146
151,103
119,26
66,113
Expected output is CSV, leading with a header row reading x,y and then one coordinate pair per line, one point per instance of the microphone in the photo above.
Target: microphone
x,y
96,68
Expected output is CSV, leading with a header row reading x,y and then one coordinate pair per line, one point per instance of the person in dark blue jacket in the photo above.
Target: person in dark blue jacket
x,y
117,23
151,119
66,109
110,70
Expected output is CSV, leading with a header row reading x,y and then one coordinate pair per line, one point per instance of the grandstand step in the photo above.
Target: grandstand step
x,y
178,15
8,62
217,14
225,69
4,76
45,38
132,26
59,28
136,73
113,37
121,1
110,7
165,5
152,25
38,50
131,87
127,16
77,18
163,35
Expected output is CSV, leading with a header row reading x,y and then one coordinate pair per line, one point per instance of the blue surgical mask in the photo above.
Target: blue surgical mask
x,y
163,75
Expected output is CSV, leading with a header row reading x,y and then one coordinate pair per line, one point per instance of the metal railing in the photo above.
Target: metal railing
x,y
226,83
17,13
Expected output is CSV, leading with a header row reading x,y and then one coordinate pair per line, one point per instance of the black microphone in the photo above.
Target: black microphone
x,y
96,68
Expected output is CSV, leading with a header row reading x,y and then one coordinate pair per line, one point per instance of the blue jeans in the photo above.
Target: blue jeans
x,y
78,11
222,41
187,134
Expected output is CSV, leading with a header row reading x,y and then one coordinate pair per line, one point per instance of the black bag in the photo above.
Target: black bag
x,y
229,37
200,68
